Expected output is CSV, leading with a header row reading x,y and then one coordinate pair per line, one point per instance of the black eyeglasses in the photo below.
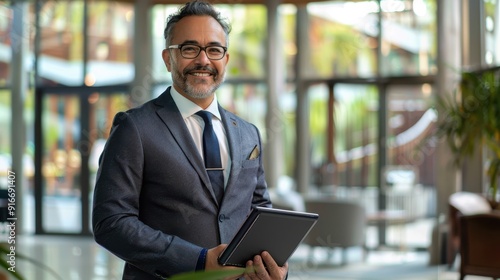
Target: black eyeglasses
x,y
193,51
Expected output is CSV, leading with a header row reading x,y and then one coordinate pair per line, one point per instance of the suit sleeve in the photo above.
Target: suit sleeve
x,y
115,216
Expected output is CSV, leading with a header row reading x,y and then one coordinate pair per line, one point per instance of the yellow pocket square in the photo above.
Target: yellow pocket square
x,y
255,153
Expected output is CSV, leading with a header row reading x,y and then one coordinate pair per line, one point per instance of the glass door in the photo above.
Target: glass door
x,y
72,127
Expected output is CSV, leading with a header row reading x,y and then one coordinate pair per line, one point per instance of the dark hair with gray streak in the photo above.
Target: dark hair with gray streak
x,y
195,8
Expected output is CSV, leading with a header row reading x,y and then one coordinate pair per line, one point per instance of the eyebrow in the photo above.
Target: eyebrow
x,y
194,42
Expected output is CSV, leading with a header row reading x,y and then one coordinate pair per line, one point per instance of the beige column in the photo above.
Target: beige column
x,y
273,156
449,61
140,90
302,151
19,79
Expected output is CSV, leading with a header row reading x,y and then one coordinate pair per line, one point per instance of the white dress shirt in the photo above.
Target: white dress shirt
x,y
195,125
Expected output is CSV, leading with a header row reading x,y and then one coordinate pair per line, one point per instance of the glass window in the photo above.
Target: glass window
x,y
61,164
318,117
410,121
159,17
110,43
247,40
355,133
492,32
71,143
5,145
288,24
408,37
343,38
5,48
61,43
248,101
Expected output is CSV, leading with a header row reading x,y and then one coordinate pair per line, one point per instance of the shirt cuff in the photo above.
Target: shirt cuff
x,y
200,265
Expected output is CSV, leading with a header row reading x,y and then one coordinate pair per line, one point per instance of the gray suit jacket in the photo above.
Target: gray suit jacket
x,y
154,206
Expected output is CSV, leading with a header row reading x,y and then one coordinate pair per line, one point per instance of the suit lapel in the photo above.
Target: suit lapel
x,y
234,139
172,118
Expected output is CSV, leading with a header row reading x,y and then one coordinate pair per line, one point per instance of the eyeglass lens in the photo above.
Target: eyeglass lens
x,y
192,51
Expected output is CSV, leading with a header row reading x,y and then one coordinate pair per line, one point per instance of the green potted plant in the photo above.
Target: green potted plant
x,y
472,122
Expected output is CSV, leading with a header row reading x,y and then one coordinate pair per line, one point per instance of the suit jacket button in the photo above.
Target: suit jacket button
x,y
223,217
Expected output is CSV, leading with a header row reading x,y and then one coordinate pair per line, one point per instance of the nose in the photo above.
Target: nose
x,y
202,58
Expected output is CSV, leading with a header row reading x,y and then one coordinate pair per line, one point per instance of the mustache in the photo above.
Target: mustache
x,y
200,68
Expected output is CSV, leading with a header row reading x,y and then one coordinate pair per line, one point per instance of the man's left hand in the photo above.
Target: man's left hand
x,y
263,267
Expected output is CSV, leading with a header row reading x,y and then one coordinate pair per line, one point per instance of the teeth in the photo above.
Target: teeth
x,y
201,74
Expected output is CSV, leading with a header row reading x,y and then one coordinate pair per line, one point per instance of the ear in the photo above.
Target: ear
x,y
165,54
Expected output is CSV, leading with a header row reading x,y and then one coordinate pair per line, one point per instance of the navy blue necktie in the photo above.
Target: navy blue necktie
x,y
211,153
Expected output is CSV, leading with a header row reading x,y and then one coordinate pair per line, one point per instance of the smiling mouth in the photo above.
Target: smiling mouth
x,y
201,71
197,74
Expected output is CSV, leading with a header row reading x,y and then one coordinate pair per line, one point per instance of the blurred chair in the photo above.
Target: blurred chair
x,y
462,203
341,224
480,245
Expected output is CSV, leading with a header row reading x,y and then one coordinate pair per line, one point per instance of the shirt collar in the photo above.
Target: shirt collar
x,y
189,108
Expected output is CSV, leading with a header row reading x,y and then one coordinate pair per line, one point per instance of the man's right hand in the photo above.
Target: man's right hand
x,y
212,263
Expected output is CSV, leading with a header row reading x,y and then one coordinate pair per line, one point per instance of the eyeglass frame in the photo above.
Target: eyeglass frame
x,y
179,47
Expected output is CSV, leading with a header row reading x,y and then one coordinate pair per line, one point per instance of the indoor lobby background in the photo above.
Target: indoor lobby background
x,y
343,92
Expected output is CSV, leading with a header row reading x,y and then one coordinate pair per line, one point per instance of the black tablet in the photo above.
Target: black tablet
x,y
266,229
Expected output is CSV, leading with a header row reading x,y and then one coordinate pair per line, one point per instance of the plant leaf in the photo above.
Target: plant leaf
x,y
209,275
18,276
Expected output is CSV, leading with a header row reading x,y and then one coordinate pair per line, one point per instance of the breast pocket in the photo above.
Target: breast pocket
x,y
250,163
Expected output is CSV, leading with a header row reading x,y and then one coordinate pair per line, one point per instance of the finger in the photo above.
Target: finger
x,y
273,269
260,269
249,271
272,266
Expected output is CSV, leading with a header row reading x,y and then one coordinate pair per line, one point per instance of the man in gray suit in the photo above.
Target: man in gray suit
x,y
154,203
